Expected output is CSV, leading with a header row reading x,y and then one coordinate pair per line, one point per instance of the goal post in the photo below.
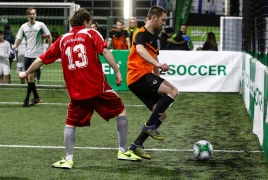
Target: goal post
x,y
231,34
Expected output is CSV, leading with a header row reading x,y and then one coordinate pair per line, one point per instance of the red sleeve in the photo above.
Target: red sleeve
x,y
52,54
98,41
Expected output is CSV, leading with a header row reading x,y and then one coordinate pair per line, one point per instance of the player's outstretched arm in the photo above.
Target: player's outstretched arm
x,y
49,42
109,43
35,65
146,56
111,61
156,69
17,43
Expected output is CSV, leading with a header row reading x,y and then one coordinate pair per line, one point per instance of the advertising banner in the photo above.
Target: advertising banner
x,y
121,60
190,71
255,96
199,33
203,71
265,114
183,8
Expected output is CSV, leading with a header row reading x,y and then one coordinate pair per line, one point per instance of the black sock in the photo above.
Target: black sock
x,y
158,123
29,90
38,74
141,138
160,108
34,91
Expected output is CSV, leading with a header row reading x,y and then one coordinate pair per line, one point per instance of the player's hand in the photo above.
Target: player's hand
x,y
22,75
164,67
119,79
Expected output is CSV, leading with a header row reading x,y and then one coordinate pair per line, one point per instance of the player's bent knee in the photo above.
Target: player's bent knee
x,y
173,92
124,112
31,77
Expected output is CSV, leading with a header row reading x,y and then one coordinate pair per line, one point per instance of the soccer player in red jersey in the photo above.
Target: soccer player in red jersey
x,y
86,83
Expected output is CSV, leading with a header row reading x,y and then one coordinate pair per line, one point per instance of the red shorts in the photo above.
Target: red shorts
x,y
108,105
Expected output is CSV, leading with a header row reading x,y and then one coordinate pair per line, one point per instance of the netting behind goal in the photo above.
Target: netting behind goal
x,y
255,29
239,25
54,15
222,17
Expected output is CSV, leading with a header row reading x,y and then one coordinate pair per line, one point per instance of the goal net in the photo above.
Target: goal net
x,y
255,29
231,33
55,16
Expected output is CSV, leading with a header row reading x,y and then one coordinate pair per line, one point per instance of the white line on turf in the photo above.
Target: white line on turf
x,y
106,148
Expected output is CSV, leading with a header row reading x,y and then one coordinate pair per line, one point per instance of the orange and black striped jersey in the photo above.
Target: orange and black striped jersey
x,y
137,66
119,39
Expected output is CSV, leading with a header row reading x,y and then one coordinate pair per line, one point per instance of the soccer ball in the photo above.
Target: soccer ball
x,y
202,150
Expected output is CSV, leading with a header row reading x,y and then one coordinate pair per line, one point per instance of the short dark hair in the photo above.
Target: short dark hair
x,y
120,20
1,32
169,30
29,9
79,17
156,10
95,22
178,36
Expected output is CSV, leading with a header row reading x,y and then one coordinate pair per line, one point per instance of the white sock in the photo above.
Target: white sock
x,y
69,140
69,158
122,128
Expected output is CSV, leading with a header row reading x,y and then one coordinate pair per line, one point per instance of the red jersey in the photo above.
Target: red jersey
x,y
81,66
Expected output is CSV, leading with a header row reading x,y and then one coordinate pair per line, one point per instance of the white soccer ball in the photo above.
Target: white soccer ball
x,y
203,150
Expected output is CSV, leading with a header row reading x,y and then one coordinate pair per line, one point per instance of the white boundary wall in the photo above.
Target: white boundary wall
x,y
255,96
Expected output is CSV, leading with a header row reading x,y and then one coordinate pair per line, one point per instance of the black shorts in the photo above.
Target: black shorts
x,y
28,62
146,89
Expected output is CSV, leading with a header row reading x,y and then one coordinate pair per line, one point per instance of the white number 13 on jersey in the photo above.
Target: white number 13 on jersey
x,y
82,62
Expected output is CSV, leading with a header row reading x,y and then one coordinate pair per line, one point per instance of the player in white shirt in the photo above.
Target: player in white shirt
x,y
32,31
4,61
20,54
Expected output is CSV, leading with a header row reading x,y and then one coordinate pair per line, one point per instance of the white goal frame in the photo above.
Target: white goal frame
x,y
70,6
236,36
69,9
